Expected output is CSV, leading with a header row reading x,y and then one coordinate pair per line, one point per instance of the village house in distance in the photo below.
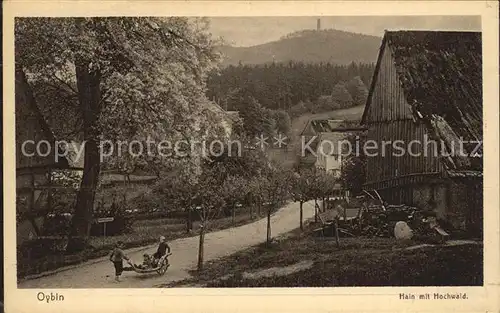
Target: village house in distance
x,y
326,145
428,83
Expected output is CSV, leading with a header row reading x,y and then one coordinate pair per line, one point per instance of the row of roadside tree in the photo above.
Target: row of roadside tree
x,y
249,180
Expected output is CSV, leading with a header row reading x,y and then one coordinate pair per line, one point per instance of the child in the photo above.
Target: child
x,y
162,250
117,257
146,263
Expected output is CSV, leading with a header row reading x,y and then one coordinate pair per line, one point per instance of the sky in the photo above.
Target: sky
x,y
249,31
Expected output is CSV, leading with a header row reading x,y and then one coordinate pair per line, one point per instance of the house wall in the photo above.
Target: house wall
x,y
422,195
30,196
390,123
466,204
333,163
441,200
431,197
320,161
32,172
26,231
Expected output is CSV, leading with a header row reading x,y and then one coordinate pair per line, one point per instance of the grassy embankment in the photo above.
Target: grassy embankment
x,y
358,262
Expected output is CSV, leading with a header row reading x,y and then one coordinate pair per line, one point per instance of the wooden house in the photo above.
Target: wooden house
x,y
427,89
33,170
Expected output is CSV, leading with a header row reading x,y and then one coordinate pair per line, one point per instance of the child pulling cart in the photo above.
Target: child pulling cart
x,y
156,263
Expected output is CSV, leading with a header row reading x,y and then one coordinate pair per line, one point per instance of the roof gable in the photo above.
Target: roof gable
x,y
441,77
35,127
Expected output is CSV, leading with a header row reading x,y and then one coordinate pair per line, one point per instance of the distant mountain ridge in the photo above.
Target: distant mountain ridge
x,y
309,46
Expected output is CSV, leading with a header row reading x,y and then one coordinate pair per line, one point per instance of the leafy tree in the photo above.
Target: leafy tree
x,y
342,96
126,76
320,186
235,190
257,194
207,200
283,122
202,195
315,188
327,103
327,185
274,188
256,120
174,190
358,90
248,163
299,191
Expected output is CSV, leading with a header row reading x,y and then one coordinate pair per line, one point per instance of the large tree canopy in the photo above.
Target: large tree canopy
x,y
151,71
117,78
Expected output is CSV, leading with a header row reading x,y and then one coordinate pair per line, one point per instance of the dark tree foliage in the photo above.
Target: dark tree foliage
x,y
284,85
354,163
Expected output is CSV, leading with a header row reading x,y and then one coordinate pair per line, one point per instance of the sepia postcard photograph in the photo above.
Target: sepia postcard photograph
x,y
158,151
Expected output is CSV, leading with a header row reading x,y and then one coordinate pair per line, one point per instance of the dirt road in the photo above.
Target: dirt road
x,y
100,273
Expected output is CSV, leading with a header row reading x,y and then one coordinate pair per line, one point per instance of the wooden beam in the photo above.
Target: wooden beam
x,y
348,129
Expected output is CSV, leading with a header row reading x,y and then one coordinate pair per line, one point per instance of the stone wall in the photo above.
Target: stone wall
x,y
457,201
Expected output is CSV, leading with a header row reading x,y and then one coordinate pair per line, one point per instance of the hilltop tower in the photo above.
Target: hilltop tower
x,y
318,24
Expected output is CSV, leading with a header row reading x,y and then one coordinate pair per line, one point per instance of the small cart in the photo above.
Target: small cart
x,y
161,268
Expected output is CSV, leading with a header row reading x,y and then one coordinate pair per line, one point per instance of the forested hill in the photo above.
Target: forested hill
x,y
309,46
295,86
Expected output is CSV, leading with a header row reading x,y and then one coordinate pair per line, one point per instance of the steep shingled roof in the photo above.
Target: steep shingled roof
x,y
441,75
27,107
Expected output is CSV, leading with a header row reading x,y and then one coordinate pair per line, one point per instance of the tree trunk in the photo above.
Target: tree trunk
x,y
337,232
301,216
315,211
81,221
268,241
89,98
200,247
189,220
323,205
259,209
233,214
31,216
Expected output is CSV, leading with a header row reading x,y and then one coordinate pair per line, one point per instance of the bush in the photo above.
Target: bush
x,y
56,225
298,109
40,247
326,103
120,224
342,96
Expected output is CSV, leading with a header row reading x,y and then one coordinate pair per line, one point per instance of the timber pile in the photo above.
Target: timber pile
x,y
376,218
379,221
